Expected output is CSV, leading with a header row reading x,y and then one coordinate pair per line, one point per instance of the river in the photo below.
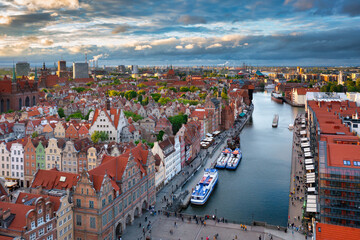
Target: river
x,y
259,188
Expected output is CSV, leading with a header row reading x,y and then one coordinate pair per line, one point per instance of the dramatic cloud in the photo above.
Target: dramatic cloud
x,y
200,32
48,4
120,29
187,19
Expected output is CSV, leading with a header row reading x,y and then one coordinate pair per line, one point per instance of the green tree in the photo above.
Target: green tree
x,y
202,95
156,96
34,134
224,94
95,137
140,98
164,101
130,94
61,113
135,117
104,136
76,115
173,89
177,121
141,85
193,89
159,137
145,101
88,114
184,89
141,92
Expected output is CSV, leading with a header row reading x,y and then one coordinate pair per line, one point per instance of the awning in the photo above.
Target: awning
x,y
306,149
308,154
209,134
303,126
304,139
311,189
305,144
242,114
10,184
309,167
303,132
309,161
311,204
310,180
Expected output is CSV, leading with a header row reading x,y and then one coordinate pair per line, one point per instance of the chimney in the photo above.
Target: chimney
x,y
107,104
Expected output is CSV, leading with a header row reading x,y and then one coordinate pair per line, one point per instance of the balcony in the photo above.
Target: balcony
x,y
349,199
340,180
341,189
342,217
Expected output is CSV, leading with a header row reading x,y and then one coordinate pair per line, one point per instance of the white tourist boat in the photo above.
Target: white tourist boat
x,y
224,158
204,188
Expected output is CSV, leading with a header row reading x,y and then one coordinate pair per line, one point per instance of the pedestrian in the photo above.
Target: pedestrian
x,y
259,237
139,225
175,224
145,219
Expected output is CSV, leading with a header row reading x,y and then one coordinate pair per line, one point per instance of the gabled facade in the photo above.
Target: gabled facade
x,y
70,158
53,155
5,161
29,162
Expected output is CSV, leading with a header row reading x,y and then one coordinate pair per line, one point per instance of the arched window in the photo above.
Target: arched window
x,y
20,103
7,104
27,101
34,100
2,109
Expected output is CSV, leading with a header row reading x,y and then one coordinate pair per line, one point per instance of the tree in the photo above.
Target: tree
x,y
193,89
164,101
135,117
184,89
140,98
76,115
95,137
159,137
88,114
177,121
34,135
104,136
202,95
173,89
224,94
141,92
156,96
61,113
130,94
141,85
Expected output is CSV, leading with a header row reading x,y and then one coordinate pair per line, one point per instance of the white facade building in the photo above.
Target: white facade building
x,y
17,162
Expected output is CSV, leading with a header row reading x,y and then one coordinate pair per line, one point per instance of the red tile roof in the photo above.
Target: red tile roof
x,y
337,153
50,179
20,212
28,196
336,232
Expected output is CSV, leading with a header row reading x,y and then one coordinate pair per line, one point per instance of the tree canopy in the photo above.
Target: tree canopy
x,y
177,121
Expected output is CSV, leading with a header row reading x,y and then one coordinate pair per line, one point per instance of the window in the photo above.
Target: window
x,y
110,198
78,202
40,211
47,217
91,204
49,227
33,236
78,220
60,223
92,222
347,163
103,202
33,225
41,232
49,237
104,219
40,221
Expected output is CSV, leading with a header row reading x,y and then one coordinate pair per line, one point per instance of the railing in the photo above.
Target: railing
x,y
340,179
339,216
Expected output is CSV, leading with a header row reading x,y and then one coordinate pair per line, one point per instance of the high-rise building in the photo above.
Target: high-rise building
x,y
135,69
80,70
22,68
61,72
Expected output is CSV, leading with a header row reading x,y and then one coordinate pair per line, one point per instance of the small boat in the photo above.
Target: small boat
x,y
234,160
223,159
275,121
291,126
204,188
277,97
269,86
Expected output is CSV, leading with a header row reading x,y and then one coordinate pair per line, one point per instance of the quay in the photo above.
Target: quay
x,y
297,181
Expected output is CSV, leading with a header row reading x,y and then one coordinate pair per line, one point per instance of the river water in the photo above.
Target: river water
x,y
259,188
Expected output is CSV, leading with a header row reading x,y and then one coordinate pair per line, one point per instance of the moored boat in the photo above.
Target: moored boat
x,y
277,97
204,188
291,126
234,160
223,159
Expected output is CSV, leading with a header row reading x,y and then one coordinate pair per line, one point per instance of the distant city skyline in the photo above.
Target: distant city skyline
x,y
183,33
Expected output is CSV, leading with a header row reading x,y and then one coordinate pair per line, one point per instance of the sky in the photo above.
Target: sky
x,y
182,32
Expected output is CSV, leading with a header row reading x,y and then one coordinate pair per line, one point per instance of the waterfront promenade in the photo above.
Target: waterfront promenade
x,y
297,190
205,159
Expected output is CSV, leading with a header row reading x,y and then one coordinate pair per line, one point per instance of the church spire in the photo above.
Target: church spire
x,y
14,75
36,76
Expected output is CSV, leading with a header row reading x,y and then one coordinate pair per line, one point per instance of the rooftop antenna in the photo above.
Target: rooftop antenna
x,y
85,57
